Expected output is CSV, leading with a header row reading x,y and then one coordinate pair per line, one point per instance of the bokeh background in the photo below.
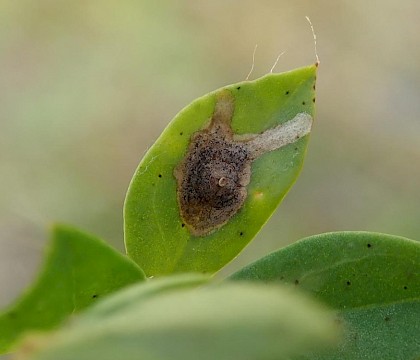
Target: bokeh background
x,y
87,85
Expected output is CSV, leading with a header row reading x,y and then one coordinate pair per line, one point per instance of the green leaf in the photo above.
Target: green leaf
x,y
372,279
386,332
162,241
78,270
137,293
233,321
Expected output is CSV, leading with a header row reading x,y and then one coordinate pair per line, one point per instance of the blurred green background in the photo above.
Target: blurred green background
x,y
87,85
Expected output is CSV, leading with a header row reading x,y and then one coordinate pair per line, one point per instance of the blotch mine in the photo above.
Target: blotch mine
x,y
213,176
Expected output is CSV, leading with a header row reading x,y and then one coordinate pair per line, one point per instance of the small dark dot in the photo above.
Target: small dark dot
x,y
281,277
160,175
238,87
313,100
181,133
182,225
405,288
296,282
348,283
296,148
387,318
369,245
241,233
303,103
287,92
94,296
313,87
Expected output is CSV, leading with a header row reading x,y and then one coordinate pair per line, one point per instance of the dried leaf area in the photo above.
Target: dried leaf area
x,y
213,176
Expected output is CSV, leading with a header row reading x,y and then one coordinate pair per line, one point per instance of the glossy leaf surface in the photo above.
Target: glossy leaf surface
x,y
233,321
372,279
155,234
78,270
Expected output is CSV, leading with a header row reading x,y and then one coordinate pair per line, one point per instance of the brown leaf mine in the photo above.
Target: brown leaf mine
x,y
213,176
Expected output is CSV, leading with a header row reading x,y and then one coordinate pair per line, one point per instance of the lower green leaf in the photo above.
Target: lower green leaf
x,y
372,279
389,332
135,294
78,270
232,321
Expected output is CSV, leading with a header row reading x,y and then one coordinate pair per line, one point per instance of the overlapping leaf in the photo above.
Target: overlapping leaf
x,y
233,321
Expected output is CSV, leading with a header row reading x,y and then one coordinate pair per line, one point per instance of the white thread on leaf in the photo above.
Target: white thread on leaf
x,y
253,62
277,60
143,170
314,36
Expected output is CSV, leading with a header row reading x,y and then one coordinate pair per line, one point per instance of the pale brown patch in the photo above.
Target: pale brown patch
x,y
258,195
213,176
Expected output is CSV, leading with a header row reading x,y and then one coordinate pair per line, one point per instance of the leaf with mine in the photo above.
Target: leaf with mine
x,y
372,279
217,173
231,321
78,270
